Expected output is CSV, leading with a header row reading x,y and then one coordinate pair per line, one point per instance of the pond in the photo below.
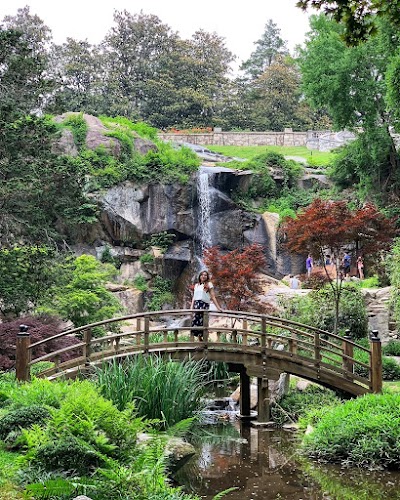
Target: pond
x,y
265,464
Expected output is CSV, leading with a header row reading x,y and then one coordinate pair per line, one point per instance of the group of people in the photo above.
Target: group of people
x,y
345,265
203,292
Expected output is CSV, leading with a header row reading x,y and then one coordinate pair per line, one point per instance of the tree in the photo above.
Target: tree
x,y
135,49
42,196
358,17
276,96
268,48
328,226
39,328
22,78
350,83
79,69
85,299
235,273
27,276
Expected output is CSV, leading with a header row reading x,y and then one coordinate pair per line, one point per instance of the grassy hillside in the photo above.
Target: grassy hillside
x,y
317,158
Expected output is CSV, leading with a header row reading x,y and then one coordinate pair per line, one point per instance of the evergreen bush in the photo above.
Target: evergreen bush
x,y
364,432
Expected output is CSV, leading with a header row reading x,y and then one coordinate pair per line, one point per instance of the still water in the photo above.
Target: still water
x,y
265,464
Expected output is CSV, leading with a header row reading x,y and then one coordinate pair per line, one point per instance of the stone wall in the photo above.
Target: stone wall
x,y
285,138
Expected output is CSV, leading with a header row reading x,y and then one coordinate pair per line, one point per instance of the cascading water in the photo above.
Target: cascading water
x,y
204,211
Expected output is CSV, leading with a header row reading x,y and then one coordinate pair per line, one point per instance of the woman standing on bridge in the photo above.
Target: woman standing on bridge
x,y
203,293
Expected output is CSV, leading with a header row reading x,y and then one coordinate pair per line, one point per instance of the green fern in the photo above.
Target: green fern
x,y
225,492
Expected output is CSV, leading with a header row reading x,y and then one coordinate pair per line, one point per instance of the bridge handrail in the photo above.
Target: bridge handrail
x,y
323,348
239,314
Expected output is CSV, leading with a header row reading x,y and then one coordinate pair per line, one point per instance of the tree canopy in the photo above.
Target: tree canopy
x,y
357,17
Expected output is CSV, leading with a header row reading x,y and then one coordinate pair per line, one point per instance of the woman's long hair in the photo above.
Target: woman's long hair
x,y
206,287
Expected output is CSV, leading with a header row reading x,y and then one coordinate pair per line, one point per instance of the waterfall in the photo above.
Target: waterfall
x,y
204,210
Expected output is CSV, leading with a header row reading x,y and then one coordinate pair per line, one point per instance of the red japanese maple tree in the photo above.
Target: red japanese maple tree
x,y
235,274
332,226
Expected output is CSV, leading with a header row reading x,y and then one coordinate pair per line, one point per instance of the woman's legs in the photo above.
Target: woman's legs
x,y
198,317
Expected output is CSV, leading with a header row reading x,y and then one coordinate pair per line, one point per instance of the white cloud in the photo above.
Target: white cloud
x,y
241,23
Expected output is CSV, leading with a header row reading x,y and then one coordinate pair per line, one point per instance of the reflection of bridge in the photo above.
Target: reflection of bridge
x,y
254,345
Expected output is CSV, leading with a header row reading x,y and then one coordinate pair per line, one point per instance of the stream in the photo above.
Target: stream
x,y
265,464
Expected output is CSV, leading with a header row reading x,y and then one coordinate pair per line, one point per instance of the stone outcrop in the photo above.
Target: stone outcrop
x,y
378,311
98,135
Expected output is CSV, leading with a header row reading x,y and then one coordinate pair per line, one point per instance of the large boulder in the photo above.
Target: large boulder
x,y
131,212
98,135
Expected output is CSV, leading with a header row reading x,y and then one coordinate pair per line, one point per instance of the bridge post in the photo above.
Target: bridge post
x,y
263,408
146,333
376,362
206,322
87,348
22,354
244,400
348,352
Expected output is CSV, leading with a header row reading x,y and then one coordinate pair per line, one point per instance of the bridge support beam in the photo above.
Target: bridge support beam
x,y
244,401
263,400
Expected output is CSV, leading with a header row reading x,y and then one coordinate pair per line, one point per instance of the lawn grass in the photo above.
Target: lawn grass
x,y
313,157
392,386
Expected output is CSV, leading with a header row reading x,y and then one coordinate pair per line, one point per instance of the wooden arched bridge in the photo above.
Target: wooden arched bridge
x,y
253,345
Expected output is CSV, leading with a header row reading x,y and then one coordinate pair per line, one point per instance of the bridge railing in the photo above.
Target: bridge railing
x,y
231,331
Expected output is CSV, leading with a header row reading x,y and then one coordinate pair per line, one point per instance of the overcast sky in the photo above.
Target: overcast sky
x,y
241,23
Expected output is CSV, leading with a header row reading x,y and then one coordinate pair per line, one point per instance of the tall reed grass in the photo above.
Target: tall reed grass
x,y
160,389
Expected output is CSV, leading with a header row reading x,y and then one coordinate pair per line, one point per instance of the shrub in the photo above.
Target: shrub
x,y
140,283
146,258
390,368
317,280
392,348
160,294
23,417
162,240
79,128
297,404
317,309
39,327
364,432
68,453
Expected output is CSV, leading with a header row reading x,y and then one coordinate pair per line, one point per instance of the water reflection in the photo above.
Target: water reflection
x,y
264,464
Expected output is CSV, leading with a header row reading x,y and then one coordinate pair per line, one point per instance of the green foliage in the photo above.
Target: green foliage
x,y
140,283
163,390
68,453
364,432
316,158
141,128
23,75
108,258
162,240
146,258
161,293
392,348
318,309
85,298
27,276
371,282
23,417
297,404
169,164
394,273
390,369
83,430
77,124
326,63
265,166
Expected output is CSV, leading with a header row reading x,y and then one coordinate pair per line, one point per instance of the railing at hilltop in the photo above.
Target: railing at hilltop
x,y
230,336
